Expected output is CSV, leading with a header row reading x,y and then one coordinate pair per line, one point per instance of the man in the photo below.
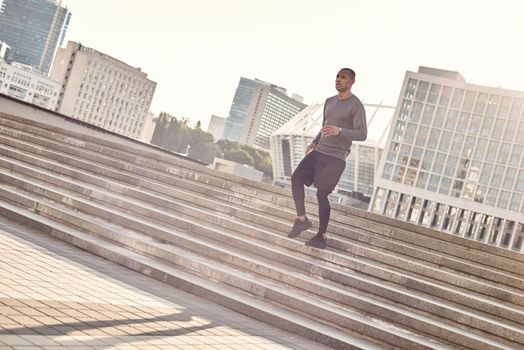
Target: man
x,y
325,160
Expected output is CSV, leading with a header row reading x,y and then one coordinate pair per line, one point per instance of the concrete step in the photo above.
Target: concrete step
x,y
148,154
394,262
507,265
221,294
268,290
112,215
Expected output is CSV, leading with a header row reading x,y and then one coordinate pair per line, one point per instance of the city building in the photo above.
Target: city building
x,y
22,82
237,114
289,143
102,90
269,109
259,109
33,29
216,127
454,159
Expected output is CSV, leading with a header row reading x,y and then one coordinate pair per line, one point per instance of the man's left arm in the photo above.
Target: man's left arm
x,y
359,132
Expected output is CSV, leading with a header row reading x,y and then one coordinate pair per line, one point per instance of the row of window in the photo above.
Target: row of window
x,y
450,219
428,120
465,100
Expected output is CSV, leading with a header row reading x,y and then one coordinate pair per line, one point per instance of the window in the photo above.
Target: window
x,y
422,136
434,93
510,130
437,215
440,116
427,160
519,237
493,103
451,120
516,199
379,200
491,153
422,91
414,209
416,112
425,212
445,141
456,101
427,116
480,104
391,203
487,125
468,101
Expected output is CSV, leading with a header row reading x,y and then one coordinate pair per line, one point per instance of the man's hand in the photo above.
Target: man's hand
x,y
310,148
330,130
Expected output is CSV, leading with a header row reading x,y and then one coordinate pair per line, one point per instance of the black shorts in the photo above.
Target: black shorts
x,y
321,170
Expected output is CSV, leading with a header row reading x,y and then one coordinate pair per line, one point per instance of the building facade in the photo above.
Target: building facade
x,y
102,90
270,108
454,159
259,109
289,143
23,83
216,127
238,112
33,29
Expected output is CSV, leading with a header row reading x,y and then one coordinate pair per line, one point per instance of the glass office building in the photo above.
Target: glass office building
x,y
33,29
238,112
454,159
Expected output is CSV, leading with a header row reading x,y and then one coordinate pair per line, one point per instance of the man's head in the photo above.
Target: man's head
x,y
345,80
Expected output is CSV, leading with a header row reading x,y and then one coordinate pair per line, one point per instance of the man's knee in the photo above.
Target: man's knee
x,y
322,195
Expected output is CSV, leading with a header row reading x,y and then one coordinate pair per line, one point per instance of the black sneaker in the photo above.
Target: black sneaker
x,y
299,226
318,241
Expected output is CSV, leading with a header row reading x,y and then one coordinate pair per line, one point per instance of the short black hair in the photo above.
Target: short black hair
x,y
351,72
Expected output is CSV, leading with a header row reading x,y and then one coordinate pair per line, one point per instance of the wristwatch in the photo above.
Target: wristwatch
x,y
339,131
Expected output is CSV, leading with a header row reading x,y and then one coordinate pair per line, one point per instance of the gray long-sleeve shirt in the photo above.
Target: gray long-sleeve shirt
x,y
349,115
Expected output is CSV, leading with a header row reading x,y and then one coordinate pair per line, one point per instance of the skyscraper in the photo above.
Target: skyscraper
x,y
33,29
454,159
102,90
237,114
258,110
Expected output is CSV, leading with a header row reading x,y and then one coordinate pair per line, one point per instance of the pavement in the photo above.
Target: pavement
x,y
56,296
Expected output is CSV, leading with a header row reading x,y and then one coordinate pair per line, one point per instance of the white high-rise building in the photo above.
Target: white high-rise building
x,y
102,90
24,83
454,159
289,143
269,109
259,109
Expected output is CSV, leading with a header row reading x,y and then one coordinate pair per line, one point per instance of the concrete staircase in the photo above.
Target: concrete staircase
x,y
381,284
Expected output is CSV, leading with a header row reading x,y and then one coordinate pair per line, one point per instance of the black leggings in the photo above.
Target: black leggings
x,y
324,209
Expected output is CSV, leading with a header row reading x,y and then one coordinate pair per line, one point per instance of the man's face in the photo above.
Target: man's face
x,y
344,81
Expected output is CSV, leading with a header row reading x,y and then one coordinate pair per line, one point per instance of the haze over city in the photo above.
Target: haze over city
x,y
197,51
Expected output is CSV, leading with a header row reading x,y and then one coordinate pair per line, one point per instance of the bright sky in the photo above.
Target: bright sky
x,y
197,50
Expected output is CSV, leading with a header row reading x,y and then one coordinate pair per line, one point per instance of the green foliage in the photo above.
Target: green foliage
x,y
243,154
176,135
